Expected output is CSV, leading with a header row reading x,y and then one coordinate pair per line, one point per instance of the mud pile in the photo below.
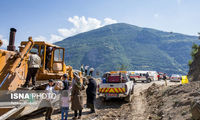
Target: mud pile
x,y
113,109
171,103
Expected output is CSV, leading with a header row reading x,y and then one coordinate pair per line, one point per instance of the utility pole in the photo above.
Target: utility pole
x,y
199,35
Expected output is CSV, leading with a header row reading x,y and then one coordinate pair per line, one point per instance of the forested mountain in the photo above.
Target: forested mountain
x,y
135,48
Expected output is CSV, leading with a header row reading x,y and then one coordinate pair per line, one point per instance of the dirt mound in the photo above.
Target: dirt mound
x,y
112,109
171,103
153,89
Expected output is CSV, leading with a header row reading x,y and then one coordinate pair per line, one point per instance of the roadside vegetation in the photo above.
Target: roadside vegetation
x,y
195,49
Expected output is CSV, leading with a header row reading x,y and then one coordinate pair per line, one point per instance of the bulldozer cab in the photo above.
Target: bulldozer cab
x,y
52,60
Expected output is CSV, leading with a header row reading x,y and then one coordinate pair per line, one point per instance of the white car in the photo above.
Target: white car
x,y
175,78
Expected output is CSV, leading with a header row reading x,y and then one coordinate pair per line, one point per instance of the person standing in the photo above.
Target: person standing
x,y
34,63
147,75
77,98
165,78
91,93
48,56
65,82
82,68
91,70
65,98
86,69
49,108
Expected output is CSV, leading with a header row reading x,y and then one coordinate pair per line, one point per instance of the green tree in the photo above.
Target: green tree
x,y
195,48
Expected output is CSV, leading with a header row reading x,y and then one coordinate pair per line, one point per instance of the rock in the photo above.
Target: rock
x,y
195,110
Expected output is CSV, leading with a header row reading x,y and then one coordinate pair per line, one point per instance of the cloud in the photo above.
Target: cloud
x,y
179,2
67,32
5,41
108,21
156,15
39,38
55,38
82,24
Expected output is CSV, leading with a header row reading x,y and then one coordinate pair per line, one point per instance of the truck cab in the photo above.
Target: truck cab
x,y
52,60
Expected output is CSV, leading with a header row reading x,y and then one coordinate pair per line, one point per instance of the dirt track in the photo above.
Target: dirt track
x,y
116,109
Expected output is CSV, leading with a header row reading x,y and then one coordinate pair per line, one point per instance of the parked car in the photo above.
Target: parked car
x,y
175,78
140,76
153,75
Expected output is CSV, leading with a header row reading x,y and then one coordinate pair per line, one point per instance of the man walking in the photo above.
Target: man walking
x,y
34,63
91,93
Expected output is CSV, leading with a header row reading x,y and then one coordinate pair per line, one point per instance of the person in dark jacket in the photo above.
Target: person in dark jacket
x,y
147,75
86,70
65,82
91,93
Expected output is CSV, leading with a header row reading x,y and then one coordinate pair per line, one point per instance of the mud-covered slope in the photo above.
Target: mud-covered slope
x,y
172,103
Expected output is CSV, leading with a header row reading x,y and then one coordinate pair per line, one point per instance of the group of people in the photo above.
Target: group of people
x,y
84,70
72,93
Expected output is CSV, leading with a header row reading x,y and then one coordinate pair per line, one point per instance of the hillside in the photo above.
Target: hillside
x,y
136,48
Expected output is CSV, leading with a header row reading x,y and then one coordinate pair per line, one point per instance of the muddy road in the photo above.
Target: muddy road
x,y
115,109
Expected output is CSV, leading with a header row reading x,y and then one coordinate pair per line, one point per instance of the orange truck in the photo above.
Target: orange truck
x,y
116,84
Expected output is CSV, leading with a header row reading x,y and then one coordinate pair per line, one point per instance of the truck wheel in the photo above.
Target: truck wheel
x,y
148,80
128,98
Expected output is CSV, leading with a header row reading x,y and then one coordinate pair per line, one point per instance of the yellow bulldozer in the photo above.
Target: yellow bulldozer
x,y
14,66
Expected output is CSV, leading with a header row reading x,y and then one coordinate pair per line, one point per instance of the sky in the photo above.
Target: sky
x,y
54,20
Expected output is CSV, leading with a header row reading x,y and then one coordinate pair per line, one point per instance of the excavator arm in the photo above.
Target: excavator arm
x,y
9,79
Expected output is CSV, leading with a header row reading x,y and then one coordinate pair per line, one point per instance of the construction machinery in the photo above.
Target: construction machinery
x,y
14,67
